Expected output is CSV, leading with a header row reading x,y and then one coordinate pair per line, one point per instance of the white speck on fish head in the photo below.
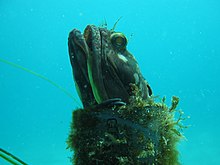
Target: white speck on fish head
x,y
123,58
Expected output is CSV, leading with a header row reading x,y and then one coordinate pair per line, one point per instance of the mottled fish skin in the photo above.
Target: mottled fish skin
x,y
103,70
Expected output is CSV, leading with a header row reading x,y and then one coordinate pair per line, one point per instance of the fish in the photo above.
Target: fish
x,y
102,66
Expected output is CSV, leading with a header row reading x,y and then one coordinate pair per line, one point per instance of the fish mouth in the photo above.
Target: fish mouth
x,y
92,37
77,43
79,52
88,43
86,59
95,63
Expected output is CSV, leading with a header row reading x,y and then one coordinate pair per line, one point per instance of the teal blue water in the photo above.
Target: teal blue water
x,y
176,43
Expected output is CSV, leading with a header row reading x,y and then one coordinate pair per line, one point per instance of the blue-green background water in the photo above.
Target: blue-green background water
x,y
177,45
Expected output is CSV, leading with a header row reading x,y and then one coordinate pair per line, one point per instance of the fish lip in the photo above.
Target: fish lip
x,y
88,42
88,37
75,34
76,41
92,37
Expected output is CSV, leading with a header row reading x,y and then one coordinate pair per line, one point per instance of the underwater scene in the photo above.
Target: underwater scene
x,y
177,47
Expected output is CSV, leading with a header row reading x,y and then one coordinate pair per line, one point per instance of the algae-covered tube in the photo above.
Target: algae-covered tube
x,y
112,136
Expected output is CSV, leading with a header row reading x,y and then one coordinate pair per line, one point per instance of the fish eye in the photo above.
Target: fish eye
x,y
118,40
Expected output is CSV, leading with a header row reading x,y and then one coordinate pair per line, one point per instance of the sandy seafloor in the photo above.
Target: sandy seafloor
x,y
176,43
